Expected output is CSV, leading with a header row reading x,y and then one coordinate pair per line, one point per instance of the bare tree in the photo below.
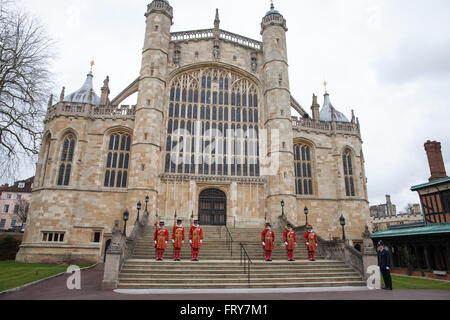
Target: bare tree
x,y
25,82
21,210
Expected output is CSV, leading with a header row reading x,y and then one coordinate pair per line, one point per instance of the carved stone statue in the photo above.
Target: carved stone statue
x,y
216,50
177,55
116,234
254,62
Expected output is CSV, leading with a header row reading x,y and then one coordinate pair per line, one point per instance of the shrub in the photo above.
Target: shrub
x,y
9,247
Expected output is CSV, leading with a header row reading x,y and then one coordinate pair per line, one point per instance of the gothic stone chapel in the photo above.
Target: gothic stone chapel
x,y
212,137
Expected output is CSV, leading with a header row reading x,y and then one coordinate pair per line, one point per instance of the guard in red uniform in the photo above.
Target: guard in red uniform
x,y
311,242
161,237
268,241
290,239
195,239
177,239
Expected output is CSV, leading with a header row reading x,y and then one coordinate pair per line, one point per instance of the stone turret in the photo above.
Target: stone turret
x,y
315,109
104,98
147,136
281,185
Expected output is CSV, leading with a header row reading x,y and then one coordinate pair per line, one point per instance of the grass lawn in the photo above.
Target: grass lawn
x,y
410,283
13,275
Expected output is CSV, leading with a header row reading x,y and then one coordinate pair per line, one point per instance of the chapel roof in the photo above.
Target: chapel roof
x,y
82,94
328,110
272,10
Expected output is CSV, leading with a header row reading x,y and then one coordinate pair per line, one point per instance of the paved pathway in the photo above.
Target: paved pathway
x,y
56,289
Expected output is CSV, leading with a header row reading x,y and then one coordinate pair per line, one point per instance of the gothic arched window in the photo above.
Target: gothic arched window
x,y
66,162
118,160
348,174
222,100
303,170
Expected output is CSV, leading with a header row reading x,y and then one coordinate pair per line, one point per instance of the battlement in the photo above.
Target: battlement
x,y
208,34
86,110
160,6
325,126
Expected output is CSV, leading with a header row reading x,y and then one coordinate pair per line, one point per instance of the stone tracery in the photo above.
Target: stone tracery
x,y
213,124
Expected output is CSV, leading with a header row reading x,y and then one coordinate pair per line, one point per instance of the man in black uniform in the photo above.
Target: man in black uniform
x,y
384,262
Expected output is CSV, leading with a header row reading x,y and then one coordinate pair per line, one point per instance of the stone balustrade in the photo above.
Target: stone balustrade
x,y
206,34
90,111
121,249
325,127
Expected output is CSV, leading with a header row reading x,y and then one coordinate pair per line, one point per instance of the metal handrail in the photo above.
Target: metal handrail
x,y
229,240
247,262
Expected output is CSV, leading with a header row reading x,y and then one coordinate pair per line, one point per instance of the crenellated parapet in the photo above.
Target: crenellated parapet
x,y
160,6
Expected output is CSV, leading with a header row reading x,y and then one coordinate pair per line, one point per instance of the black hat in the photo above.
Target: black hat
x,y
290,225
380,243
161,223
268,224
179,220
196,221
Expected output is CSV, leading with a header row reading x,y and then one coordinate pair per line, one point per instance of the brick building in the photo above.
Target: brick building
x,y
14,204
424,248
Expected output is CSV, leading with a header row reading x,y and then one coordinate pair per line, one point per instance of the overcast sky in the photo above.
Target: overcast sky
x,y
389,60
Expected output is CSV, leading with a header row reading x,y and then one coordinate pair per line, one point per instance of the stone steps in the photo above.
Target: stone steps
x,y
218,269
241,285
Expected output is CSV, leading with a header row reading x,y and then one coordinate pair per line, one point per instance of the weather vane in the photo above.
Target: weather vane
x,y
92,66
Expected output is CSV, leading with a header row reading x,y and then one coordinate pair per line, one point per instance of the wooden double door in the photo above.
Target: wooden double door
x,y
212,208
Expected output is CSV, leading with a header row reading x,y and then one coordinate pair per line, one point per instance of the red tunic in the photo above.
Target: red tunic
x,y
178,236
161,236
291,238
268,237
196,234
311,238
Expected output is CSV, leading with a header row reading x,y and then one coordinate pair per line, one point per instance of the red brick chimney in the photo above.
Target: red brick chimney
x,y
435,160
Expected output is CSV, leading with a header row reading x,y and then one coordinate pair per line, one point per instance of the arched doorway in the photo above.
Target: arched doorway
x,y
212,208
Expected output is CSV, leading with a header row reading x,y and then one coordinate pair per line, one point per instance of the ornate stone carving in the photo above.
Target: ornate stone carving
x,y
177,55
216,50
254,62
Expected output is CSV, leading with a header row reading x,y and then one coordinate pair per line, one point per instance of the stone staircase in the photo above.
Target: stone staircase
x,y
218,268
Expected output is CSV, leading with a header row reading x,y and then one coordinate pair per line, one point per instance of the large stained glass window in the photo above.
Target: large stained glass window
x,y
66,161
118,160
348,174
303,170
213,124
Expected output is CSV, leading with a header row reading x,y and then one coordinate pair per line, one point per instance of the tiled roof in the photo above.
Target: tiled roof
x,y
430,184
26,189
437,228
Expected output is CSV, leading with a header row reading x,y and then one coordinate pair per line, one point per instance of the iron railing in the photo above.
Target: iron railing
x,y
229,238
246,261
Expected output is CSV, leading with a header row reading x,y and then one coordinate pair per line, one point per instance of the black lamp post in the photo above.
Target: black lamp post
x,y
342,221
139,206
147,199
282,208
126,216
306,214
